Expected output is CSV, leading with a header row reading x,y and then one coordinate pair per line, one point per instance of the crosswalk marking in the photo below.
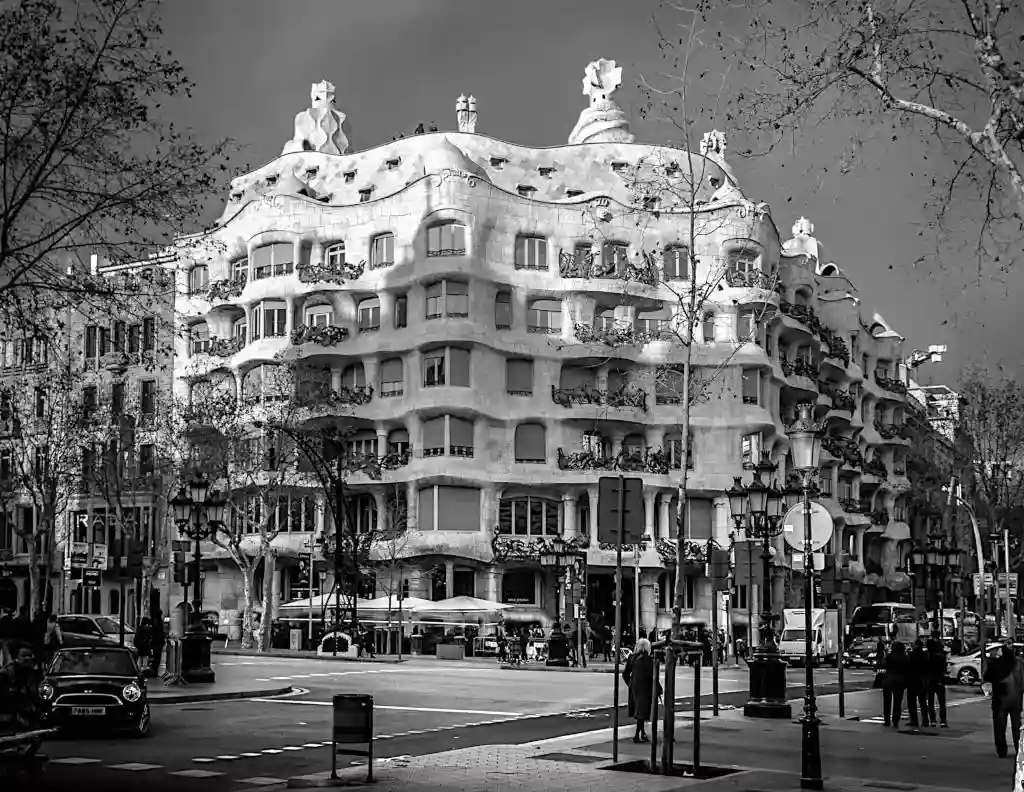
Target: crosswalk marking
x,y
74,760
262,781
134,766
196,773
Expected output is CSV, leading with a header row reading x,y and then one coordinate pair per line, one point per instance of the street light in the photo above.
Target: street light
x,y
560,555
755,509
199,513
805,444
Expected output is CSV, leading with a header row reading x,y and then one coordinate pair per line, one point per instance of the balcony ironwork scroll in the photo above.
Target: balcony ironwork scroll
x,y
625,397
655,461
226,289
841,399
324,335
331,273
803,314
891,385
753,279
347,396
837,347
589,265
509,547
879,517
876,467
225,347
889,431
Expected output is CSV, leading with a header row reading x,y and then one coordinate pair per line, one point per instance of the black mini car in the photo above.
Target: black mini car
x,y
95,687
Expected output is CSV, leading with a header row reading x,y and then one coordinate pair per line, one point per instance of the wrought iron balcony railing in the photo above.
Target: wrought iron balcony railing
x,y
324,335
625,397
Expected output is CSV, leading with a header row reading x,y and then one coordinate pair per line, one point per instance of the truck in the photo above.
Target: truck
x,y
826,645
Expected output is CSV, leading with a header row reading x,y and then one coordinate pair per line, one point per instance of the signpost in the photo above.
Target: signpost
x,y
620,518
990,581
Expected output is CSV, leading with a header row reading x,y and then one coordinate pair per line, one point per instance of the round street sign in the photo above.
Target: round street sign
x,y
822,527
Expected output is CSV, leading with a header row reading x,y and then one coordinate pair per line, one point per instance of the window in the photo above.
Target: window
x,y
447,434
531,443
6,464
354,377
443,508
447,239
709,328
117,399
544,316
334,256
398,442
614,254
503,310
40,402
240,330
240,270
746,325
743,260
674,451
364,513
273,260
147,397
369,315
320,316
270,318
531,253
751,386
200,335
149,334
91,343
349,176
525,190
519,587
750,449
450,298
604,319
104,343
147,459
519,377
446,366
362,444
654,323
401,311
134,339
365,194
676,263
89,400
119,337
530,516
198,279
382,251
392,378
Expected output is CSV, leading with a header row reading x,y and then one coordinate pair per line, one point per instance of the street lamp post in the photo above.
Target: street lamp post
x,y
199,513
805,443
755,509
558,555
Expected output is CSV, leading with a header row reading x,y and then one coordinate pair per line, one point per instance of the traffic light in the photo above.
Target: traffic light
x,y
180,565
135,559
720,569
833,576
608,517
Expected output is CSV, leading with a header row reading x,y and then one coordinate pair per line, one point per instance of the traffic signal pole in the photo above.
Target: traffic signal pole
x,y
618,613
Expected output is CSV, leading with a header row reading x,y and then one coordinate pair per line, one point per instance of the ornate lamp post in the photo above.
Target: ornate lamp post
x,y
755,509
559,555
805,444
198,513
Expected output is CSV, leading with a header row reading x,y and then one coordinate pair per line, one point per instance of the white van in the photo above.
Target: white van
x,y
825,635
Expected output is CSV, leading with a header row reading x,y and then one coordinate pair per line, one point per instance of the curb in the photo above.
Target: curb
x,y
306,656
558,669
191,698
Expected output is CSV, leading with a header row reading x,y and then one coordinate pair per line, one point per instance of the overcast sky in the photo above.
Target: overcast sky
x,y
398,62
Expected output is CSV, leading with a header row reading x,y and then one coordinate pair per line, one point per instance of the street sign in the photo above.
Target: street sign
x,y
818,559
822,526
608,510
748,563
91,577
990,582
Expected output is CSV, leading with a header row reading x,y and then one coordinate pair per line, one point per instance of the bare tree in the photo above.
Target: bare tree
x,y
89,166
390,554
40,465
992,416
946,73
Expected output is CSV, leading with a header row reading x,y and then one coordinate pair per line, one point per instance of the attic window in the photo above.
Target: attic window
x,y
312,172
546,172
651,203
498,162
271,181
618,167
393,163
715,182
526,191
672,169
364,194
237,196
350,176
573,193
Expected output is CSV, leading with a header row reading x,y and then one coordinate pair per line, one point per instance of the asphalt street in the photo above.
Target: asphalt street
x,y
420,708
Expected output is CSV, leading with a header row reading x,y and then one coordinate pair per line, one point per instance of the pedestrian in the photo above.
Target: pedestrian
x,y
144,644
639,676
917,686
1006,675
936,681
53,640
524,643
896,669
159,639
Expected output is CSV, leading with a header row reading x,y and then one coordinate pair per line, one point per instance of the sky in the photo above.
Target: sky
x,y
396,63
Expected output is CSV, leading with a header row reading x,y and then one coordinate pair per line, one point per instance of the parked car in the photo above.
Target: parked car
x,y
105,627
96,687
861,654
966,669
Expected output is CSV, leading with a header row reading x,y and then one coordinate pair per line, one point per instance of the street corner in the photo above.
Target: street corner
x,y
186,696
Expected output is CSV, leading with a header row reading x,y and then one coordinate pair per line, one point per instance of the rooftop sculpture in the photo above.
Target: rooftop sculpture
x,y
322,127
604,121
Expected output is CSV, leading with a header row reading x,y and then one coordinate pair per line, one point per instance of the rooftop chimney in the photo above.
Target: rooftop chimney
x,y
465,113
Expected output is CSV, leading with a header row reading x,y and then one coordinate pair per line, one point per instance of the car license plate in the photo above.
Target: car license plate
x,y
88,710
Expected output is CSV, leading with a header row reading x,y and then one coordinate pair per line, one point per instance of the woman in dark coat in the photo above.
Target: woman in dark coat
x,y
639,675
897,674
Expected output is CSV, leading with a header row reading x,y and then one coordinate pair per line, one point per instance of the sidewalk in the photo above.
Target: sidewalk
x,y
231,683
761,755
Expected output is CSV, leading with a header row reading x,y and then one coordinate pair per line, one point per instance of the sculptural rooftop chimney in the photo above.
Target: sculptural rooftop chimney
x,y
320,128
603,121
465,113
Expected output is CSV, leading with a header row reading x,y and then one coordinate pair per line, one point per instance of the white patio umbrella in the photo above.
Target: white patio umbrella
x,y
461,605
319,602
408,604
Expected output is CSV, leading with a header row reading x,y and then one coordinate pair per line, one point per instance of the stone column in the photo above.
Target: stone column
x,y
449,578
412,505
592,494
387,310
664,502
413,374
371,365
297,252
316,254
723,522
648,602
270,608
859,542
336,380
569,516
382,442
490,583
650,513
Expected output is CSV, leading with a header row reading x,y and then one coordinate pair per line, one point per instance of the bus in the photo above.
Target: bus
x,y
951,624
895,621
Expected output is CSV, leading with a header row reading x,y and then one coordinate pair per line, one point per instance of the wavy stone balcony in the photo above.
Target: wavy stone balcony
x,y
891,431
803,314
620,335
327,399
835,347
330,273
655,461
875,467
754,279
323,335
589,265
626,397
891,385
841,399
845,450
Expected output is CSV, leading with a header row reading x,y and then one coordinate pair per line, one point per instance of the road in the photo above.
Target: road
x,y
420,707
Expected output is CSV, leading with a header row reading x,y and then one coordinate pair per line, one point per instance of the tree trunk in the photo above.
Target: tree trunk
x,y
248,573
265,633
34,595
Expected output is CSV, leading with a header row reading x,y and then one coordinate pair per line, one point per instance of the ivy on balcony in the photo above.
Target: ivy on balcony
x,y
890,384
227,289
693,552
836,346
624,397
225,347
395,459
803,314
324,335
618,335
851,506
507,547
354,396
876,467
754,279
328,273
655,461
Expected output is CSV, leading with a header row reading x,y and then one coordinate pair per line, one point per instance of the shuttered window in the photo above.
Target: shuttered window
x,y
426,510
531,253
460,436
458,367
519,377
433,305
458,509
503,311
433,436
576,377
392,378
699,524
531,443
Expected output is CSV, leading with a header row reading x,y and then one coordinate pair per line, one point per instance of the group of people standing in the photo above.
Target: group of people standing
x,y
919,674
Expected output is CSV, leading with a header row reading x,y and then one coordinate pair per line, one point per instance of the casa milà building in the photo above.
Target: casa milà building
x,y
455,293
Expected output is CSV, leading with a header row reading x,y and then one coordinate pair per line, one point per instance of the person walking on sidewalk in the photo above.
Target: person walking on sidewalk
x,y
936,681
894,684
639,676
1006,675
917,686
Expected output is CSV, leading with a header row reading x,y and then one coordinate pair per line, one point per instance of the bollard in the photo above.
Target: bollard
x,y
654,716
353,723
172,664
696,714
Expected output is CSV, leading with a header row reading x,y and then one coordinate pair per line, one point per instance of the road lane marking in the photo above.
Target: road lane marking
x,y
134,766
196,773
262,781
227,757
74,760
396,708
204,760
271,751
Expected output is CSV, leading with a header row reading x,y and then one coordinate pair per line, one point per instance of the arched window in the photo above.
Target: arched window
x,y
240,330
369,315
321,315
531,443
268,319
741,260
200,336
544,316
198,279
530,516
446,239
676,263
362,443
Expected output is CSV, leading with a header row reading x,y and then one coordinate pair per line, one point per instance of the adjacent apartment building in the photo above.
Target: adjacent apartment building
x,y
476,309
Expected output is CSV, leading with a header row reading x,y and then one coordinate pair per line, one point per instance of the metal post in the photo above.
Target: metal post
x,y
337,611
841,628
654,717
1011,622
309,619
696,712
636,591
715,598
120,583
197,601
617,645
750,600
810,765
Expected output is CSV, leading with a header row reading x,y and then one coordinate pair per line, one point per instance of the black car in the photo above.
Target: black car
x,y
95,687
861,654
